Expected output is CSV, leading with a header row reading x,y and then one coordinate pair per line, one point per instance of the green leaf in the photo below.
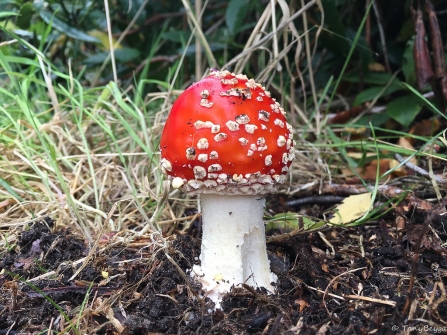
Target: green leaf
x,y
288,222
66,29
404,109
6,14
52,151
376,120
25,14
372,78
177,36
235,15
371,93
406,30
123,55
191,50
408,64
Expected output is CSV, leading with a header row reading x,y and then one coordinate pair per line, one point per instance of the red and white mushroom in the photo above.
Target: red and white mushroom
x,y
228,139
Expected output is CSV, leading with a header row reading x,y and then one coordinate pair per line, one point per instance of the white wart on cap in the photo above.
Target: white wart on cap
x,y
225,134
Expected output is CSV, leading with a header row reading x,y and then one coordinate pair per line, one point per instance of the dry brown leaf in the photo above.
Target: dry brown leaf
x,y
400,222
370,170
405,143
399,171
427,127
302,303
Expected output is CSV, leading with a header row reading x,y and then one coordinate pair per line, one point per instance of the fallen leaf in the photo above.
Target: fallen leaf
x,y
400,222
376,67
302,303
352,208
369,172
427,127
399,171
104,38
405,143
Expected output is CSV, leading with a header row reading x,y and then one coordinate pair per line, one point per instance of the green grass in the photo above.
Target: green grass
x,y
98,139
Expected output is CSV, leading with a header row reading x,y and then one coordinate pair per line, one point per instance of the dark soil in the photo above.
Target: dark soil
x,y
383,278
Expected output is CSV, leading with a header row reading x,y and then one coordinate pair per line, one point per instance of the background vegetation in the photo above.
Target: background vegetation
x,y
80,128
85,88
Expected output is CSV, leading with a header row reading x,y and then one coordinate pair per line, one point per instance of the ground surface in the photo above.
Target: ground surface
x,y
382,278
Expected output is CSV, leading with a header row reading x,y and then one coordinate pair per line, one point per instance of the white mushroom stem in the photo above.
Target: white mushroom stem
x,y
233,244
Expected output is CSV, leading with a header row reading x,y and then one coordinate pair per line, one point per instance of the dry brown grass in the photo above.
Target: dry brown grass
x,y
91,174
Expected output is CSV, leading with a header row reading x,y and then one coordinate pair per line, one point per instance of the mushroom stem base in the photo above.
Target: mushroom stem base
x,y
233,244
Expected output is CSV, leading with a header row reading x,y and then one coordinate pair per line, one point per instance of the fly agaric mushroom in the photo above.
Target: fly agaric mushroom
x,y
228,140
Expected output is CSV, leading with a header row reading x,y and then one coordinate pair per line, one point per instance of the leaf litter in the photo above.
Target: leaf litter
x,y
350,279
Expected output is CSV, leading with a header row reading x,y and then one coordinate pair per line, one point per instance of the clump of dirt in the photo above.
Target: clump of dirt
x,y
357,280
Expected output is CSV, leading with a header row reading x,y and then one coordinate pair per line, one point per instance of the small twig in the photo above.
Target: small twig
x,y
185,278
299,231
114,321
431,323
362,248
9,329
329,244
250,289
379,301
321,291
433,178
382,35
330,283
8,42
54,272
413,306
274,329
315,199
49,332
441,299
167,296
417,169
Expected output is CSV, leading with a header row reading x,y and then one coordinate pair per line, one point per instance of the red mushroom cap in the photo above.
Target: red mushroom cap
x,y
225,134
